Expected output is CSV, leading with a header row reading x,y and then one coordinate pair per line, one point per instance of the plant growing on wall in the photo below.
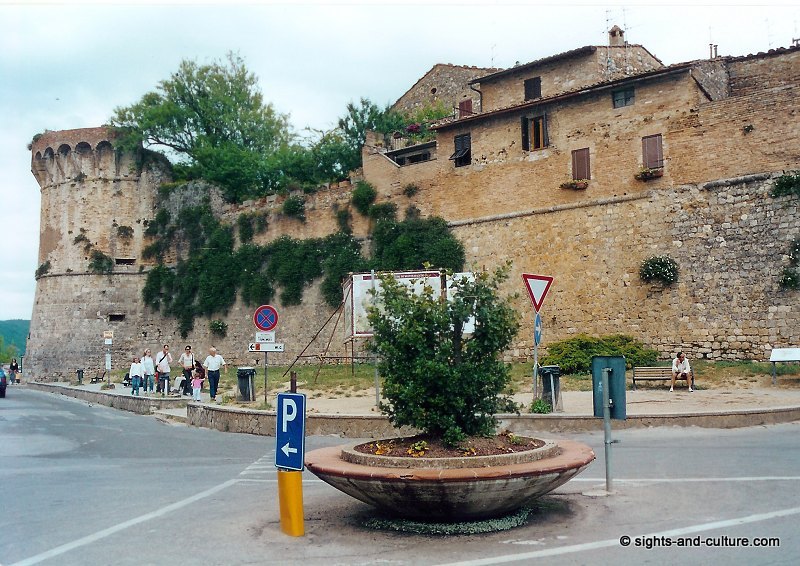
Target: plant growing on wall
x,y
206,280
436,378
363,196
786,185
410,190
383,211
661,268
218,328
100,262
245,225
790,278
43,269
125,232
295,207
343,218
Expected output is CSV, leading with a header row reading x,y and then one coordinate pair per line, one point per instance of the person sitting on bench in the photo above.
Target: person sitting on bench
x,y
681,370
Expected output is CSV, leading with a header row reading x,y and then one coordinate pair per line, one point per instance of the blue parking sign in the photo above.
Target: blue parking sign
x,y
290,431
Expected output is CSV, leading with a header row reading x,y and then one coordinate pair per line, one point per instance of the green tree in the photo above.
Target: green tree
x,y
357,121
215,117
436,378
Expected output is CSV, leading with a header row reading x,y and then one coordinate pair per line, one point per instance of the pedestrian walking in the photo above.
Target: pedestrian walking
x,y
213,362
148,371
13,370
163,359
135,374
187,363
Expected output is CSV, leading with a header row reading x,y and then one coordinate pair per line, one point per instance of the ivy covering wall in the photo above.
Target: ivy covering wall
x,y
213,270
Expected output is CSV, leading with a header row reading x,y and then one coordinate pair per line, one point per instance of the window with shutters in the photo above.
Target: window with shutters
x,y
533,88
652,152
623,97
463,148
465,108
534,133
580,164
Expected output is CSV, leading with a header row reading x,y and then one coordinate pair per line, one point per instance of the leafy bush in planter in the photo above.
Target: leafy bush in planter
x,y
659,268
574,355
435,378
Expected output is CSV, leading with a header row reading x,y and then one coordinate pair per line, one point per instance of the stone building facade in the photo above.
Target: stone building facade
x,y
715,133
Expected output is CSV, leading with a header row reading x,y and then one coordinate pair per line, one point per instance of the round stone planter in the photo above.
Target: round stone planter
x,y
460,489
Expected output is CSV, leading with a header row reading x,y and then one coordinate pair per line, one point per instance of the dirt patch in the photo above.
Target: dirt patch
x,y
425,446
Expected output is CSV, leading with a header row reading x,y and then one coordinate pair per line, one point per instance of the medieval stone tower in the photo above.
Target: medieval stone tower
x,y
95,206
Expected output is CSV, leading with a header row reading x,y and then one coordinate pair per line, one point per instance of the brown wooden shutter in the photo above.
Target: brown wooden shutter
x,y
465,108
526,134
652,152
533,88
580,164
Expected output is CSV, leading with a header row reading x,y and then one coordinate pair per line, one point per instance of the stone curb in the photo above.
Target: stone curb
x,y
138,405
251,421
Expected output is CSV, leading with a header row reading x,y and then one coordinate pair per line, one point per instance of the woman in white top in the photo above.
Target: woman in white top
x,y
135,373
148,371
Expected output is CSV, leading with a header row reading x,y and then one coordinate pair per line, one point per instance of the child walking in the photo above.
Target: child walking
x,y
136,375
197,384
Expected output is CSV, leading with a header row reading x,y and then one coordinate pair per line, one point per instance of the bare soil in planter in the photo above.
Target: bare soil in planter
x,y
428,447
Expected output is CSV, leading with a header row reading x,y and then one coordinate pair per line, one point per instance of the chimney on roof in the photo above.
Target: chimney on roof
x,y
616,37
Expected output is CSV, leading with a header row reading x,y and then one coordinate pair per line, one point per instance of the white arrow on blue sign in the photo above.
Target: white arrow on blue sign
x,y
290,431
537,329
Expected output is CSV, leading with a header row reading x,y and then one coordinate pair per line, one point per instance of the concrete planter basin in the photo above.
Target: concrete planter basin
x,y
468,489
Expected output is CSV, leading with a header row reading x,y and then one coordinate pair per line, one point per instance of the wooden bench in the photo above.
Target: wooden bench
x,y
663,373
98,378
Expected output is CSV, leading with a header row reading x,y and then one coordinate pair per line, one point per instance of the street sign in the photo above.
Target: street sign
x,y
537,329
108,341
537,286
265,337
108,335
290,431
258,347
265,318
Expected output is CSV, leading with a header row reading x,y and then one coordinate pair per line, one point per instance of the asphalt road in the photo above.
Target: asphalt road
x,y
82,484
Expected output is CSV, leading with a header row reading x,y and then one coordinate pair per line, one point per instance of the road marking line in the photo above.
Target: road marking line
x,y
615,542
688,480
124,525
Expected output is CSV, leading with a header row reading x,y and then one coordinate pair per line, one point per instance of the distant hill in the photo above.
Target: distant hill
x,y
15,332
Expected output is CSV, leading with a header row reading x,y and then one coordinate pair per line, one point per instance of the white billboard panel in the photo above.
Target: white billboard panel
x,y
358,297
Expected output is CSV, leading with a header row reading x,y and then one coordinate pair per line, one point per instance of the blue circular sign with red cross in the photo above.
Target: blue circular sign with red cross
x,y
265,317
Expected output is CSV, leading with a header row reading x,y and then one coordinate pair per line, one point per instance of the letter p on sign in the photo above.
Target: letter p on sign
x,y
289,412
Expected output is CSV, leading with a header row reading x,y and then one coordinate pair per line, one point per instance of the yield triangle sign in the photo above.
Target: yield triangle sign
x,y
537,286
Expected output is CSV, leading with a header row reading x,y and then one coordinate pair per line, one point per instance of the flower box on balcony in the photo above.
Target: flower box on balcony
x,y
647,174
576,185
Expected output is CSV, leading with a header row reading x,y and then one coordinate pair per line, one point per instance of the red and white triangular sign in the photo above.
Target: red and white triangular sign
x,y
537,286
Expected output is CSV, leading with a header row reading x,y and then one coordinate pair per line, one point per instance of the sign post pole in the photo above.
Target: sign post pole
x,y
265,379
289,456
537,287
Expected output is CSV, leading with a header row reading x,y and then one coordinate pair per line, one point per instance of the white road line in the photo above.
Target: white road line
x,y
686,480
615,542
125,525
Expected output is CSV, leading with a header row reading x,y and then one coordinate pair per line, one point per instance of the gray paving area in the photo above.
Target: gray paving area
x,y
86,484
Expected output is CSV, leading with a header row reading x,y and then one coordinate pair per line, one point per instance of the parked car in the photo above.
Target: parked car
x,y
3,382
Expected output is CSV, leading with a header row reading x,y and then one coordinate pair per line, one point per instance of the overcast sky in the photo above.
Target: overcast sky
x,y
65,66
